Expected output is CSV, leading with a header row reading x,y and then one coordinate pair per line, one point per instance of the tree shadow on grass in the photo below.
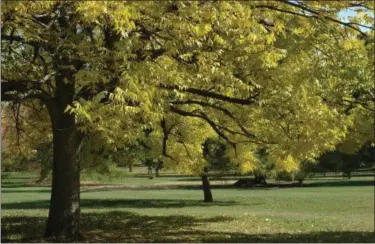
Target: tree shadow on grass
x,y
122,226
273,186
164,175
309,237
212,178
342,183
9,187
25,190
18,178
115,226
122,203
12,184
17,183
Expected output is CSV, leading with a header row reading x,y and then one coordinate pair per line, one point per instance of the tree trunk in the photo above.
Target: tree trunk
x,y
149,173
300,182
206,187
130,167
158,167
64,210
260,179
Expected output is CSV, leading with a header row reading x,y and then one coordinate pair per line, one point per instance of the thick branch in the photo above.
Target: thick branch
x,y
225,111
204,93
205,118
14,90
15,85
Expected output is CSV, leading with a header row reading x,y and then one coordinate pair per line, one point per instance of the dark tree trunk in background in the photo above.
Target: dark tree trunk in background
x,y
64,211
149,172
260,178
206,187
158,167
130,167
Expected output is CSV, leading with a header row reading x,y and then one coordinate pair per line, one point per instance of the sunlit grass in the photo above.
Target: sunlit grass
x,y
341,213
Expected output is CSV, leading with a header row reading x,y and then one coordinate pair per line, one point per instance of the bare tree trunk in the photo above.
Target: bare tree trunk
x,y
64,211
158,167
206,187
260,178
149,172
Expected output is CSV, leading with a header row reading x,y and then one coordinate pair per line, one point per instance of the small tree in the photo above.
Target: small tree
x,y
215,152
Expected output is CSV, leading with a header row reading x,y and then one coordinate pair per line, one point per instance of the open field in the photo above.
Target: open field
x,y
170,209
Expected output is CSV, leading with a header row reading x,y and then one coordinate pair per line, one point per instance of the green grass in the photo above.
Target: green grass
x,y
334,210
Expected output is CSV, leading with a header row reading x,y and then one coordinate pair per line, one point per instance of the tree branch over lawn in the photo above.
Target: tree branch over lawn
x,y
225,111
209,94
205,118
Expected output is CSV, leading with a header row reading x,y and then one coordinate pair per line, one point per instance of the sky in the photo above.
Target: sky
x,y
350,12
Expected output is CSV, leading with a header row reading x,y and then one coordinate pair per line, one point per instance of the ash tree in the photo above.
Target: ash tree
x,y
261,75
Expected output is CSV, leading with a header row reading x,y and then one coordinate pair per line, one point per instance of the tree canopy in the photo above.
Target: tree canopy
x,y
289,77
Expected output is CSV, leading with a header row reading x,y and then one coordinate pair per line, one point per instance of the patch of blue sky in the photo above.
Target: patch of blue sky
x,y
350,12
345,14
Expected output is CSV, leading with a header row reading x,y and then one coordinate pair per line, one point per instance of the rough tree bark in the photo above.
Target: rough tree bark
x,y
206,186
64,211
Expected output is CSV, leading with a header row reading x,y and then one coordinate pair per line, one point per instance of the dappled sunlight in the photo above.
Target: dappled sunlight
x,y
187,121
123,226
237,214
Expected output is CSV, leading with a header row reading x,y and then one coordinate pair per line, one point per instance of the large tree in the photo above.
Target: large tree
x,y
105,71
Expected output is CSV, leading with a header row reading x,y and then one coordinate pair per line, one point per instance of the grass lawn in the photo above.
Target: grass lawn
x,y
170,209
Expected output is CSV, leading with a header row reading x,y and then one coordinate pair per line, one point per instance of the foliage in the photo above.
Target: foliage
x,y
215,152
286,76
268,74
337,161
